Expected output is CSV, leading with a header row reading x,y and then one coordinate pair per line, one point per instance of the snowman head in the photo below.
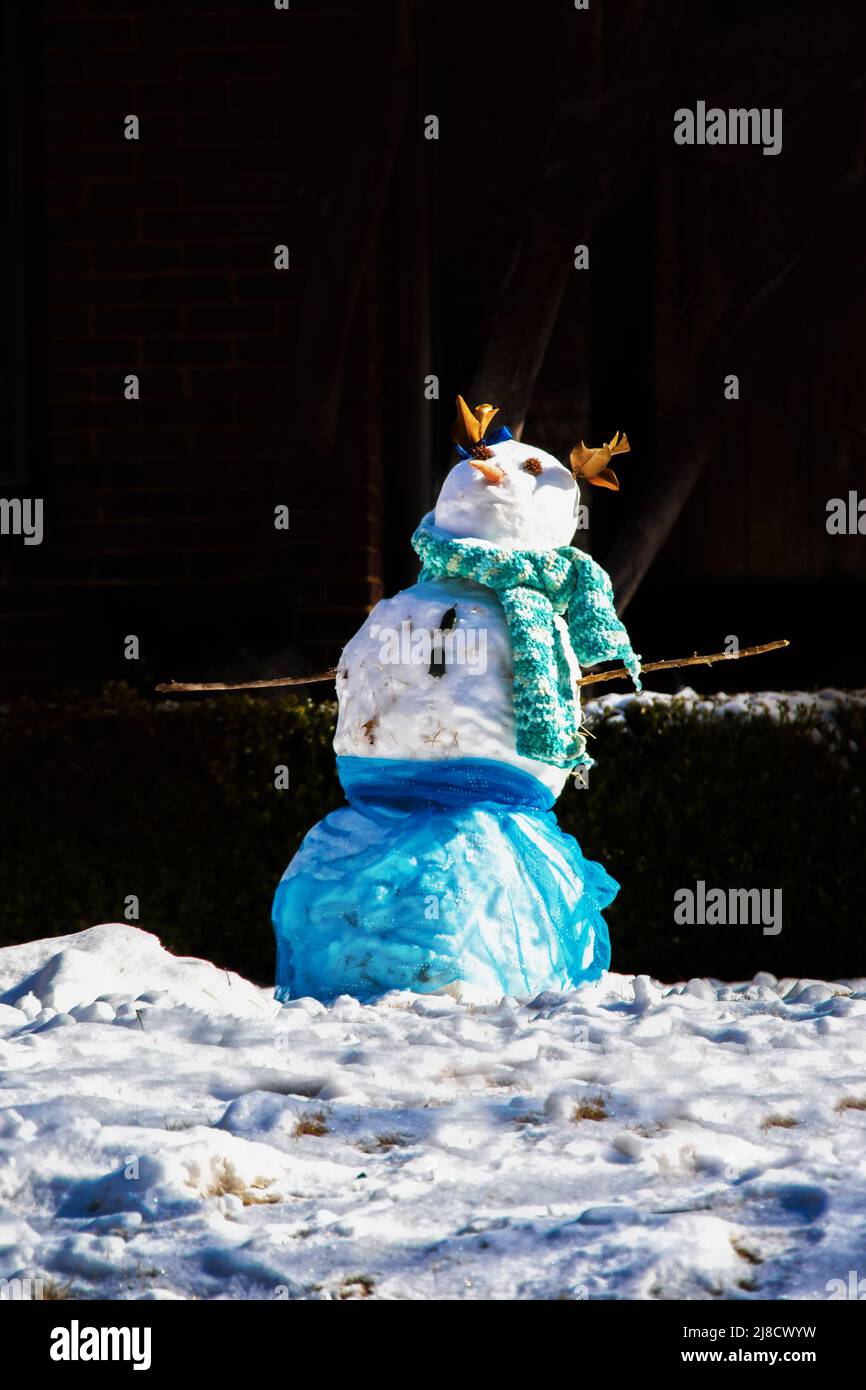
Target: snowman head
x,y
512,493
516,496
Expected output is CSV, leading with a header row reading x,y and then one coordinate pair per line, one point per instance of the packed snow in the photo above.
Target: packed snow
x,y
774,704
168,1131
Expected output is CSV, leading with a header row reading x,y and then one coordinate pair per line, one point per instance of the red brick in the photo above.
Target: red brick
x,y
177,474
188,410
87,98
136,568
73,445
89,33
273,157
277,29
137,258
230,62
94,414
231,318
271,285
241,443
231,255
186,351
184,96
134,193
69,385
64,65
135,64
180,159
137,318
80,506
181,29
62,131
345,594
140,505
90,162
322,627
94,289
249,410
90,227
94,351
75,473
274,349
238,381
287,318
68,260
283,96
248,189
140,443
223,128
63,195
169,224
186,289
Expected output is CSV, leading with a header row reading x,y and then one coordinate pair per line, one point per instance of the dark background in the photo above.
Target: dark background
x,y
412,258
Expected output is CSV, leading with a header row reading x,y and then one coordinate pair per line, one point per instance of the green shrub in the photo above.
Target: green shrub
x,y
175,804
740,802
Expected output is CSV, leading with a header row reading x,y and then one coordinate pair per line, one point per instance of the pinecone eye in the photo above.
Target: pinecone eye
x,y
532,465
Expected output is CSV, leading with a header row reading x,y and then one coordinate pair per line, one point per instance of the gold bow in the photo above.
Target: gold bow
x,y
471,426
593,464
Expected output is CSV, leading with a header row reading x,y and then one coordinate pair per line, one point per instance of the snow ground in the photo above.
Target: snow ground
x,y
167,1131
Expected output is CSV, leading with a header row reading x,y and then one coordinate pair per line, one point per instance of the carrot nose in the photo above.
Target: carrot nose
x,y
489,471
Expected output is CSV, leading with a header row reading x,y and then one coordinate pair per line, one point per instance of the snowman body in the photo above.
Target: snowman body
x,y
391,706
447,870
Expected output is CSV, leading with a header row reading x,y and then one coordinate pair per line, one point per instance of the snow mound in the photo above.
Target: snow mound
x,y
173,1181
114,963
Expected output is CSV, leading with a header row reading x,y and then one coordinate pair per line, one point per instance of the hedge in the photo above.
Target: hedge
x,y
109,797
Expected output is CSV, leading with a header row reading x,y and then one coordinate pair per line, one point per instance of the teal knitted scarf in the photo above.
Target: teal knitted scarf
x,y
533,585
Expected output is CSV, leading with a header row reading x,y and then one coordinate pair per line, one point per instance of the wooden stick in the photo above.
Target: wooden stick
x,y
173,687
620,671
179,687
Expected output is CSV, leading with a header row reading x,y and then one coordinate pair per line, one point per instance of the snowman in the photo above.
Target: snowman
x,y
458,727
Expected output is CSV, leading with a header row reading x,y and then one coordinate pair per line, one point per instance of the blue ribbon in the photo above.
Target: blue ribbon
x,y
455,782
498,436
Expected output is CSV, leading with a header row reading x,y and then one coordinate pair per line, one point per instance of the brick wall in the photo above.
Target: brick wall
x,y
159,261
261,127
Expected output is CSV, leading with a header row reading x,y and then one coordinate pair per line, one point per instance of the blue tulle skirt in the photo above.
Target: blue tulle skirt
x,y
438,874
